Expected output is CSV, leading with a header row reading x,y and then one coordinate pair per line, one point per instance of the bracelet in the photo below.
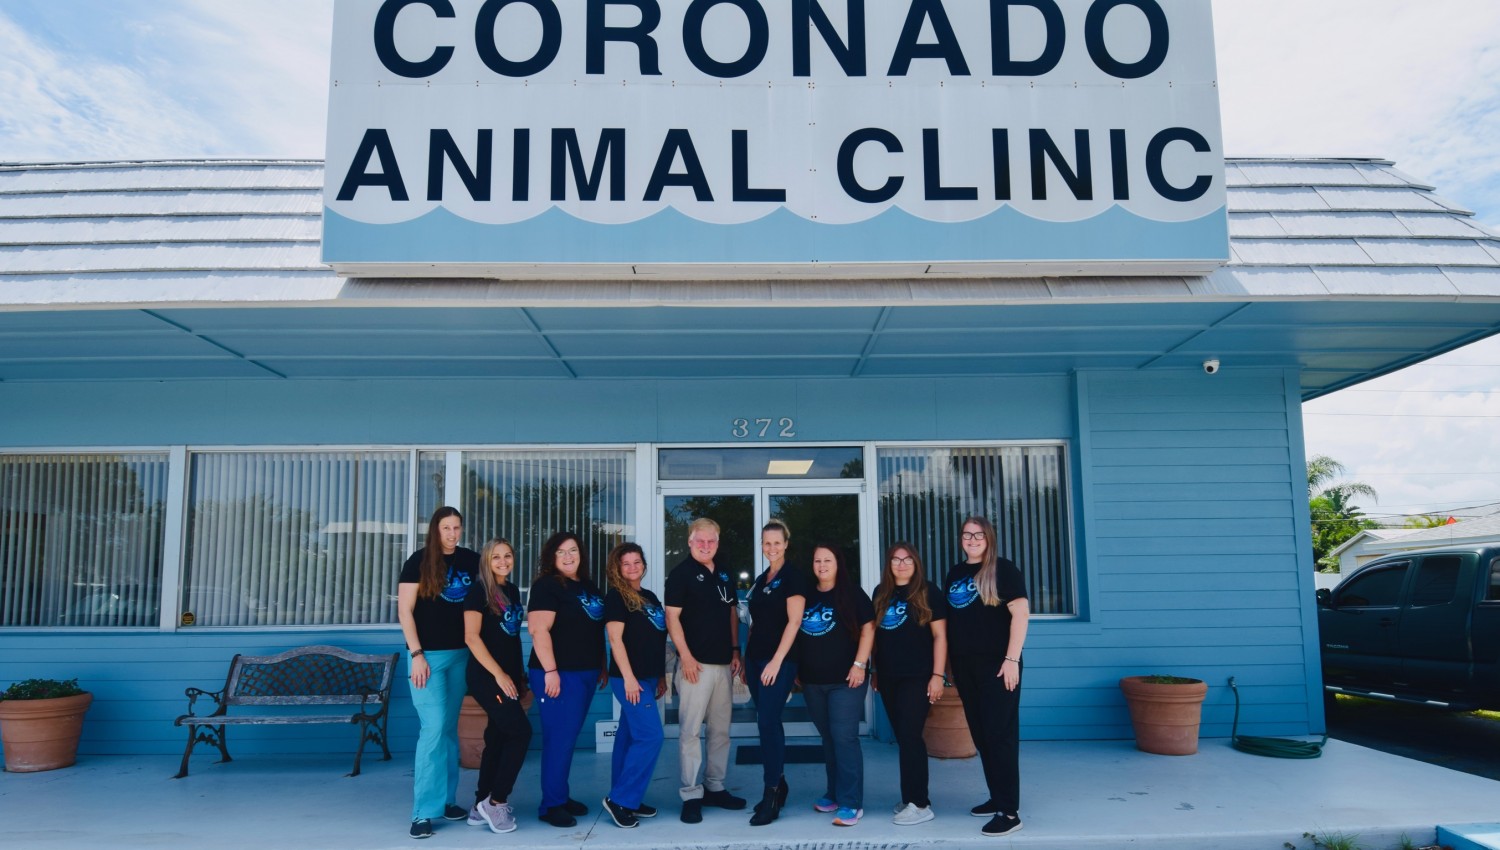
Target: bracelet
x,y
418,653
863,665
553,670
1017,660
939,676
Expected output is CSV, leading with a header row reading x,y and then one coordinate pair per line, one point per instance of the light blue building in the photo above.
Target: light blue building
x,y
211,443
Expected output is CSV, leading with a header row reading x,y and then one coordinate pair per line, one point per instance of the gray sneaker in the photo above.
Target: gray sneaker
x,y
499,817
475,818
912,815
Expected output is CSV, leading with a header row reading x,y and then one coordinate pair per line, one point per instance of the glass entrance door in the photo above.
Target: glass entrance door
x,y
821,512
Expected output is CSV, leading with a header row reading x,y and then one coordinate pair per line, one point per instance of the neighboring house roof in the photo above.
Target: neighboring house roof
x,y
1369,535
1342,269
1482,530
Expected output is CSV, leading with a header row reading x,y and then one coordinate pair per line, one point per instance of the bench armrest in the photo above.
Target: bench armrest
x,y
216,696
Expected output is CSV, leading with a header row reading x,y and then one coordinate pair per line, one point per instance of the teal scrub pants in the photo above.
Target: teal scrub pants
x,y
437,705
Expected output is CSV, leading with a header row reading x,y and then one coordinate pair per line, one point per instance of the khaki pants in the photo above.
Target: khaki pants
x,y
707,702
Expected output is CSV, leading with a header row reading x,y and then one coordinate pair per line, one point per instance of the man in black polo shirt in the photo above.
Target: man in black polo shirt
x,y
705,628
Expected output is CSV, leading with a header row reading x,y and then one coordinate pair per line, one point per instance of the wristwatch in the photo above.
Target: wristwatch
x,y
863,665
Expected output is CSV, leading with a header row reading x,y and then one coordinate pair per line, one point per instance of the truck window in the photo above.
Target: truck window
x,y
1380,587
1437,580
1494,594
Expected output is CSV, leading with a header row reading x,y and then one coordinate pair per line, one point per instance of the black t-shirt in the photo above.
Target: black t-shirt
x,y
903,647
707,598
501,633
768,611
578,627
645,634
440,620
974,628
825,646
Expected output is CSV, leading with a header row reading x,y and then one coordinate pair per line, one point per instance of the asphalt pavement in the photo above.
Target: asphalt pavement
x,y
1467,742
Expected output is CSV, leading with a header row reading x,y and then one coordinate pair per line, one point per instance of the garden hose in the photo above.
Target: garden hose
x,y
1281,748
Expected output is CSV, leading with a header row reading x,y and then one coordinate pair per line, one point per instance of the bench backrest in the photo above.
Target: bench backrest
x,y
309,675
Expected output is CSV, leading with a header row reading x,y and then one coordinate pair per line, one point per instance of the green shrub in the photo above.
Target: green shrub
x,y
42,689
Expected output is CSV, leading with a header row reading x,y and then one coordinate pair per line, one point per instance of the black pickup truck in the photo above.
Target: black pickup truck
x,y
1418,627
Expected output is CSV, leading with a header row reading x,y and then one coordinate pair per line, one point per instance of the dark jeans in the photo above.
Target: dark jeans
x,y
506,737
770,702
836,711
994,716
905,700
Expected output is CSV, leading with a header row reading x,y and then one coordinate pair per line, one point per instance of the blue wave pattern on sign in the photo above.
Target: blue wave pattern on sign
x,y
781,237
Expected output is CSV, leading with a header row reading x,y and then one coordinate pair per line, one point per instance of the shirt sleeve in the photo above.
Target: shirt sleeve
x,y
475,600
795,586
676,589
937,600
865,608
1011,583
614,607
411,571
546,595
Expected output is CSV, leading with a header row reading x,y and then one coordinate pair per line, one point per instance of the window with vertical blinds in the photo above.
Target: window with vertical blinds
x,y
81,539
295,538
526,496
925,493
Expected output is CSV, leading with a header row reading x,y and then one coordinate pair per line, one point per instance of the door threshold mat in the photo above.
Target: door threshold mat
x,y
795,754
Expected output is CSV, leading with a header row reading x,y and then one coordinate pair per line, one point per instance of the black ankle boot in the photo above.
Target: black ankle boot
x,y
781,791
768,809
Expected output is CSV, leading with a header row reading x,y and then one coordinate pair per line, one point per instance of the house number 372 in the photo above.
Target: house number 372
x,y
784,427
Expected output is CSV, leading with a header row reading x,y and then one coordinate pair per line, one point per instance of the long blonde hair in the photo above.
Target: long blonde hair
x,y
495,599
615,575
985,580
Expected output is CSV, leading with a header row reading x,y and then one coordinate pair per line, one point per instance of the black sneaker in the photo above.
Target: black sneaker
x,y
575,808
422,828
987,809
558,816
1001,825
723,799
624,818
645,811
452,812
692,811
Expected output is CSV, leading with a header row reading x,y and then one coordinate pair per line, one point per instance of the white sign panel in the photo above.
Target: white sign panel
x,y
500,137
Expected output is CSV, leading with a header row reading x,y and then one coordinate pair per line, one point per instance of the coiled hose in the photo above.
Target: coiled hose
x,y
1281,748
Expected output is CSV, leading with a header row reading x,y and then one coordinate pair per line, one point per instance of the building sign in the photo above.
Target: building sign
x,y
515,138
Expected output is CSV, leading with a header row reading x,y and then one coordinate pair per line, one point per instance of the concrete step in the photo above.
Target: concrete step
x,y
1470,836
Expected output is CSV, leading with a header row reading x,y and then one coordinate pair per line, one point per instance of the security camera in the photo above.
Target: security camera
x,y
1211,367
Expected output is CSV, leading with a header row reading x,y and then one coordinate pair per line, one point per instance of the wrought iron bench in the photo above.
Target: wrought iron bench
x,y
305,676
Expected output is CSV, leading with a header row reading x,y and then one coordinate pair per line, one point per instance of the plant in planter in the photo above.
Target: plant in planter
x,y
40,723
1165,712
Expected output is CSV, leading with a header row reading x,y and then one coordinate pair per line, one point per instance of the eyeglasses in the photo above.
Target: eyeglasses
x,y
904,562
973,535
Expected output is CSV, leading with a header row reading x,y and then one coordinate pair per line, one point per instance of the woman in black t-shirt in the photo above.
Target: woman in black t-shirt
x,y
911,651
637,626
492,629
430,596
565,616
776,602
987,619
836,636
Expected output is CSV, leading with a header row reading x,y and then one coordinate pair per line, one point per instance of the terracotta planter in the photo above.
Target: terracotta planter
x,y
1165,716
471,725
42,734
947,731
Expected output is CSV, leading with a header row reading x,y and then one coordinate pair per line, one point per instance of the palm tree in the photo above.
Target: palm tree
x,y
1425,521
1335,517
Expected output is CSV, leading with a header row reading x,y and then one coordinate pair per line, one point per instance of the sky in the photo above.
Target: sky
x,y
1417,83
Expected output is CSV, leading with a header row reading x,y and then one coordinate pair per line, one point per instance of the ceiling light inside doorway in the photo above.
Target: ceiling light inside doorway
x,y
788,467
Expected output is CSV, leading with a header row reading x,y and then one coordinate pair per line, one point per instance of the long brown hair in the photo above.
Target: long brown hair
x,y
495,599
845,589
434,573
916,589
985,580
615,575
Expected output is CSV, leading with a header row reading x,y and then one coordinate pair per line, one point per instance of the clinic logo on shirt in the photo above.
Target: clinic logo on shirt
x,y
458,586
962,593
818,621
592,605
772,585
894,616
656,616
510,621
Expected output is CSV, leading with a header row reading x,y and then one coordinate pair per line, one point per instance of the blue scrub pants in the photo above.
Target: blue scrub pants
x,y
770,703
836,710
562,719
637,744
435,777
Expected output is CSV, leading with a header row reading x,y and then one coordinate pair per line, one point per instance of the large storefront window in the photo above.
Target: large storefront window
x,y
295,538
525,496
81,539
925,492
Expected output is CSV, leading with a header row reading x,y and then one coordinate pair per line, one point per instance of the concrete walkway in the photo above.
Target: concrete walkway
x,y
1090,795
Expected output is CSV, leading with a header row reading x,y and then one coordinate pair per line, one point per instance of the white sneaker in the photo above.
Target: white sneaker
x,y
499,817
475,818
912,815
